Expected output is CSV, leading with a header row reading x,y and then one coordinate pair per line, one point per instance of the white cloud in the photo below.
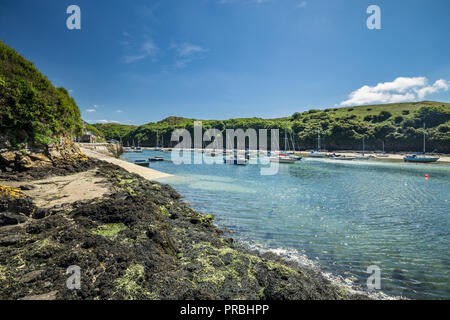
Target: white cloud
x,y
90,110
119,111
302,4
439,85
186,52
401,89
148,49
187,49
103,121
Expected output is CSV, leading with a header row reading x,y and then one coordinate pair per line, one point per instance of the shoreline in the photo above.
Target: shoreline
x,y
146,173
167,250
397,156
443,158
292,255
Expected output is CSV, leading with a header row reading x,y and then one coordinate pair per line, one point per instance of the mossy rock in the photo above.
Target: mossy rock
x,y
109,230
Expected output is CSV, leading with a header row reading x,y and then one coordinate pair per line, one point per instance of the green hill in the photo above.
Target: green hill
x,y
32,110
398,125
112,130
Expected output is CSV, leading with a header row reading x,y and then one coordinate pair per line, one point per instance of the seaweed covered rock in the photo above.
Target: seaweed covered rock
x,y
15,206
66,151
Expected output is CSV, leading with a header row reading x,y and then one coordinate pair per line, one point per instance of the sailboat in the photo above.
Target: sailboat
x,y
234,156
363,157
317,153
157,147
421,157
383,154
284,157
292,153
138,148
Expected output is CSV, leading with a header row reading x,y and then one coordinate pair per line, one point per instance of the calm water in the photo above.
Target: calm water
x,y
344,215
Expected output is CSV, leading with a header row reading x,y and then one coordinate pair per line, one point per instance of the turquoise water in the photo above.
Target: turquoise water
x,y
344,215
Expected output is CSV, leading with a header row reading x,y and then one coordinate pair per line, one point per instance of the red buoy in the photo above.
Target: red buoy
x,y
426,176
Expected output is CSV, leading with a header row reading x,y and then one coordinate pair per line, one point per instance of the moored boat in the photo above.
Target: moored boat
x,y
142,163
421,157
317,153
156,158
340,157
283,159
363,157
235,160
383,154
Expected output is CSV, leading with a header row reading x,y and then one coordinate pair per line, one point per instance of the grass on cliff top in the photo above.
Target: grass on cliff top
x,y
396,109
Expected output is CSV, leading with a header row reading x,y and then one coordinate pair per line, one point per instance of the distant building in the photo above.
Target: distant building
x,y
87,137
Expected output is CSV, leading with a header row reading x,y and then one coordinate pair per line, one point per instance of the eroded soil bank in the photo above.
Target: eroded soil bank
x,y
132,239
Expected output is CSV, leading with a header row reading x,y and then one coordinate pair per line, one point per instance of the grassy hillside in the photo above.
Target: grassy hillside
x,y
111,131
32,110
399,126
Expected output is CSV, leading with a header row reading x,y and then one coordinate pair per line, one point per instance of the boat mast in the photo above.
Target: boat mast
x,y
424,138
293,140
285,136
318,138
363,146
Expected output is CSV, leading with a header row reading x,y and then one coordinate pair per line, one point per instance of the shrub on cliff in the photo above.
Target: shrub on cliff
x,y
32,110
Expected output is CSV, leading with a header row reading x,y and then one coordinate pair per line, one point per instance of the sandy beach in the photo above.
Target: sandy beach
x,y
146,173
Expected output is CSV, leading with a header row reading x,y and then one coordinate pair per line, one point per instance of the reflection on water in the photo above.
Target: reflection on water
x,y
346,215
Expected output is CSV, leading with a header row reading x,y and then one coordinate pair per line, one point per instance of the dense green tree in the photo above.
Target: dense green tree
x,y
340,129
32,110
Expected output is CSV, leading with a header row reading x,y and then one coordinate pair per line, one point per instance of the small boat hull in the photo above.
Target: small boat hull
x,y
283,160
239,161
343,158
420,159
317,154
142,163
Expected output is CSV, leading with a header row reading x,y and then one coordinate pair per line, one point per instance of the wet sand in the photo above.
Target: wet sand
x,y
144,172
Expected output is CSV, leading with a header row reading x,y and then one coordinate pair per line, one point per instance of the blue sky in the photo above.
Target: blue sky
x,y
140,61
